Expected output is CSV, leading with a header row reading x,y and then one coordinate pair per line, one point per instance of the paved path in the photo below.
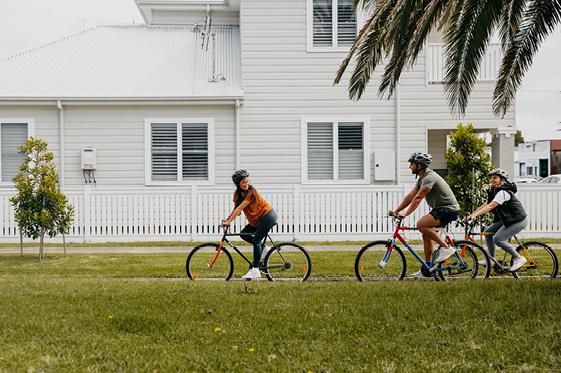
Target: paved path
x,y
175,249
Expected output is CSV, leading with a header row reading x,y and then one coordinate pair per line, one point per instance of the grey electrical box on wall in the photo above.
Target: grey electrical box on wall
x,y
384,165
89,159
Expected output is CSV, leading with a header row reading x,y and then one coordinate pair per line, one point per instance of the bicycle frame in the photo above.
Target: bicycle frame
x,y
225,239
495,261
398,236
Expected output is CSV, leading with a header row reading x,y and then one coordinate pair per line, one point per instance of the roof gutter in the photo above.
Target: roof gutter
x,y
110,101
61,134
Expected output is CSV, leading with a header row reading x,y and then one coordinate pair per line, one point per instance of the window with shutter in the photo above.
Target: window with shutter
x,y
320,151
334,23
195,151
12,136
164,152
335,151
346,23
179,151
351,154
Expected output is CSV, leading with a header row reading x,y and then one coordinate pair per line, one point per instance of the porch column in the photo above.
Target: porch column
x,y
502,146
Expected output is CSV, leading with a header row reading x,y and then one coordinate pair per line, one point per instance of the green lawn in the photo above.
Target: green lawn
x,y
91,313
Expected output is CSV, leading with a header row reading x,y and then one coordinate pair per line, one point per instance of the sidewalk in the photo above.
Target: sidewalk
x,y
176,249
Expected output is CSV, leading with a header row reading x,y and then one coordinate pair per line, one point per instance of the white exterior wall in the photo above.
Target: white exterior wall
x,y
283,83
117,133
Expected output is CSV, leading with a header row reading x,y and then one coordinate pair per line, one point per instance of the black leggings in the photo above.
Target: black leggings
x,y
259,233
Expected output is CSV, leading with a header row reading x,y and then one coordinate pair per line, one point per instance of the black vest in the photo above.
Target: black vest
x,y
512,210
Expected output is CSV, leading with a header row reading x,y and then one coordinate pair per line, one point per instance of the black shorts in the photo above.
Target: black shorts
x,y
445,216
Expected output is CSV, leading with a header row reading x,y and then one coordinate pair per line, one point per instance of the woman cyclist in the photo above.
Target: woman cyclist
x,y
510,217
260,215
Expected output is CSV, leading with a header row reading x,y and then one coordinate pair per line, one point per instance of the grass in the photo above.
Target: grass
x,y
91,313
99,325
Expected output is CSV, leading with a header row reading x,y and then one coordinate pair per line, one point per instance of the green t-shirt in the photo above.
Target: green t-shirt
x,y
440,194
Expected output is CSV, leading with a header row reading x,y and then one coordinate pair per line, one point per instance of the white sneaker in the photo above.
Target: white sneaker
x,y
266,249
445,253
417,274
483,263
517,263
253,273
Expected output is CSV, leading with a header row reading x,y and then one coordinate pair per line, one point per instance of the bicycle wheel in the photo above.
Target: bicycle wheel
x,y
379,261
467,267
483,270
287,261
204,262
541,261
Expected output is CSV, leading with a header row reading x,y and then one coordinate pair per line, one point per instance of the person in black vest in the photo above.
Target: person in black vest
x,y
510,217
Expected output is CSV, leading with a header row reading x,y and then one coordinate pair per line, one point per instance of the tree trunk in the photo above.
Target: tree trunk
x,y
21,243
64,243
41,238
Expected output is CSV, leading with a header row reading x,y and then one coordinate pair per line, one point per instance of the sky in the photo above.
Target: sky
x,y
27,24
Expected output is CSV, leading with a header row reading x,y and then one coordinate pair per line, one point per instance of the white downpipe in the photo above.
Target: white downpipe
x,y
397,134
61,135
237,134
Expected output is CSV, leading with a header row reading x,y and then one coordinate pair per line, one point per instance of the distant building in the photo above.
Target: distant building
x,y
540,158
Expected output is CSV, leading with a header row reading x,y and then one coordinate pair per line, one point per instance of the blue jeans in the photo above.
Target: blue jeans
x,y
255,235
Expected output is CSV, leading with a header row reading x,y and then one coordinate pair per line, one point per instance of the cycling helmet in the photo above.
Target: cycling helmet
x,y
424,159
239,175
499,172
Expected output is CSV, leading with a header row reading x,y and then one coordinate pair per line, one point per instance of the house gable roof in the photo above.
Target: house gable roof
x,y
127,61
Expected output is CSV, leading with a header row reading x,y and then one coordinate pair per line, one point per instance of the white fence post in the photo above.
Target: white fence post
x,y
296,210
194,217
87,214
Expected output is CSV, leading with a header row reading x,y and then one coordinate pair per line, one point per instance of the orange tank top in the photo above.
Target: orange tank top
x,y
255,211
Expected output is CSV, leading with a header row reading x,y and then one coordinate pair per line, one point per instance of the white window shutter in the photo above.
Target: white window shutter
x,y
164,152
195,151
320,151
351,151
346,23
13,136
323,23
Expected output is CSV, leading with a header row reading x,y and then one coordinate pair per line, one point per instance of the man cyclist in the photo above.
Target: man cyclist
x,y
441,200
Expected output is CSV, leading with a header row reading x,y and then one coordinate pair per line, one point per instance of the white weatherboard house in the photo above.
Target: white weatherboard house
x,y
161,114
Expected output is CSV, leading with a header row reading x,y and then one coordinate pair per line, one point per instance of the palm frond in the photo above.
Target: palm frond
x,y
539,20
465,42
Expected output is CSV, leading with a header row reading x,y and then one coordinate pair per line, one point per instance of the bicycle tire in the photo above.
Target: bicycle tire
x,y
199,259
469,265
541,262
370,266
480,252
289,261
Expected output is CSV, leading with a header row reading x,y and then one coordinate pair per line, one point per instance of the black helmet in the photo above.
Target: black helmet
x,y
499,172
239,175
424,159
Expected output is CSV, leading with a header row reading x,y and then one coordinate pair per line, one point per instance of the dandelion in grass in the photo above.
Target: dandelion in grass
x,y
217,329
251,349
110,317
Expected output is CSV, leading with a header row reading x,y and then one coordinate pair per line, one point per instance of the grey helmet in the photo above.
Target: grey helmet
x,y
239,175
499,172
424,159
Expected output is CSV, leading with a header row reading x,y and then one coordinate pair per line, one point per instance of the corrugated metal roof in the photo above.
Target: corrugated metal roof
x,y
127,61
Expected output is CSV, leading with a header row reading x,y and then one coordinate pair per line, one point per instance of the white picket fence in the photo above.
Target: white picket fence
x,y
305,213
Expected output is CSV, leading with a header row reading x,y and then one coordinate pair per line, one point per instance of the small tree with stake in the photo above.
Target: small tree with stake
x,y
40,207
469,168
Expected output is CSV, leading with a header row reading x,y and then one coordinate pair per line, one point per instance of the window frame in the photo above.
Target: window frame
x,y
30,132
310,28
179,122
335,121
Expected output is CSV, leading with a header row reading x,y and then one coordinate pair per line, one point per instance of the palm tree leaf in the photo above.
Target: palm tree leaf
x,y
465,42
539,20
